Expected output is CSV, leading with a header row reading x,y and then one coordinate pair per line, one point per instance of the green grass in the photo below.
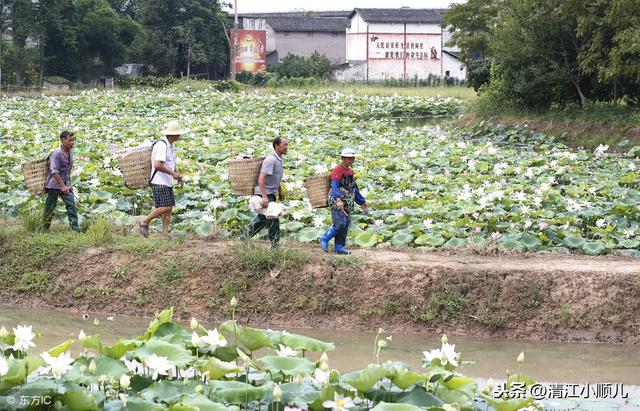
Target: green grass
x,y
255,260
171,271
464,93
36,281
32,221
144,246
99,232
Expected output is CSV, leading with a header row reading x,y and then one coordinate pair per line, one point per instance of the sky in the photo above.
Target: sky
x,y
251,6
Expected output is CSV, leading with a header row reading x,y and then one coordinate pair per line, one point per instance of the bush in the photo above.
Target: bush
x,y
317,66
150,81
99,231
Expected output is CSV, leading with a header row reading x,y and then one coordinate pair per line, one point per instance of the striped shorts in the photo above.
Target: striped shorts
x,y
163,195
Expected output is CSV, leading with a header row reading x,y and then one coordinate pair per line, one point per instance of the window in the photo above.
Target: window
x,y
334,34
286,34
309,34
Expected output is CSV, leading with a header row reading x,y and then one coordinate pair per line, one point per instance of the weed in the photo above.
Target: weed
x,y
350,262
37,281
565,315
491,318
453,301
234,286
99,231
330,306
142,246
170,273
78,292
255,260
395,305
120,273
32,221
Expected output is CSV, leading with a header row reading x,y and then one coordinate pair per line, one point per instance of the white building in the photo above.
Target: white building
x,y
398,43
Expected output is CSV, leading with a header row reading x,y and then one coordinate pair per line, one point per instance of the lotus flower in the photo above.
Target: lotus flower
x,y
23,338
57,366
339,403
158,365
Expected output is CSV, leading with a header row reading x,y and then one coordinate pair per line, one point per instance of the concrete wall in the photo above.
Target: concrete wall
x,y
301,44
453,65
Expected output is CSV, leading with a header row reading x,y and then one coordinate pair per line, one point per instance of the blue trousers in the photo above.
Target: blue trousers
x,y
341,222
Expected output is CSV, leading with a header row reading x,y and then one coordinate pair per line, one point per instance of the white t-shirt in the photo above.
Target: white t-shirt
x,y
165,152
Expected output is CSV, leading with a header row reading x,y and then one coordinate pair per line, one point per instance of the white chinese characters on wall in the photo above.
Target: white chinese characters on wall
x,y
417,47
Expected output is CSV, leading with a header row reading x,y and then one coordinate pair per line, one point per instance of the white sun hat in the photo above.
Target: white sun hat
x,y
172,128
348,152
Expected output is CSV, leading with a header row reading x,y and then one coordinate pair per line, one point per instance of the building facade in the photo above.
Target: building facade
x,y
301,34
398,44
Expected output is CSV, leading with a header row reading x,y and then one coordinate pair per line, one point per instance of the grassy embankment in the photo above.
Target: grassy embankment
x,y
615,125
113,271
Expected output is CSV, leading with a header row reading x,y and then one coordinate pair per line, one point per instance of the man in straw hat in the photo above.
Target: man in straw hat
x,y
271,174
343,196
163,172
59,182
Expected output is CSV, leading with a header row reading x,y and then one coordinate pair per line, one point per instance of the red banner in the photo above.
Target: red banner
x,y
251,51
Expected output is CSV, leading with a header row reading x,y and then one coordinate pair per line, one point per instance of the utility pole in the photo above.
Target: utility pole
x,y
234,45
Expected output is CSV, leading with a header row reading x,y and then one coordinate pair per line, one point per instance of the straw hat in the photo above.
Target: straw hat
x,y
348,152
172,128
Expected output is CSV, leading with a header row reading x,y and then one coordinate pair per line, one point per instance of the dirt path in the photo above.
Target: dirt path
x,y
505,262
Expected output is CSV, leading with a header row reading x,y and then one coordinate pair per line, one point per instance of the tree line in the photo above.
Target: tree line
x,y
541,53
83,39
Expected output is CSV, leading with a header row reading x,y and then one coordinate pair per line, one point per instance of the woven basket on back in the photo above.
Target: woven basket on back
x,y
135,167
318,190
243,174
35,174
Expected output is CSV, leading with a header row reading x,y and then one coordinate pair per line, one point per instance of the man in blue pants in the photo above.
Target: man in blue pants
x,y
343,196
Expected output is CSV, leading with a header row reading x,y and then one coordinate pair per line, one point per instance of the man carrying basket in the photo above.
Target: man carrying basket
x,y
343,196
269,179
59,182
163,171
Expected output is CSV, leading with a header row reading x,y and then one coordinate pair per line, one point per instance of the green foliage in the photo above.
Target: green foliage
x,y
32,221
36,281
317,66
99,231
255,260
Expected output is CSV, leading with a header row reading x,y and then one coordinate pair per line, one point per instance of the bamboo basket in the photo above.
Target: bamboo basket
x,y
135,167
243,174
318,190
35,174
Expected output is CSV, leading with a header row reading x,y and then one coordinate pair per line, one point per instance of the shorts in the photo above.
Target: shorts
x,y
163,196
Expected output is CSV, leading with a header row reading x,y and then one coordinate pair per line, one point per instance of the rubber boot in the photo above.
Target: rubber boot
x,y
340,249
326,237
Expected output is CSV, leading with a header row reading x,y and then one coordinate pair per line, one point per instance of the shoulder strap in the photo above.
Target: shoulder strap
x,y
155,170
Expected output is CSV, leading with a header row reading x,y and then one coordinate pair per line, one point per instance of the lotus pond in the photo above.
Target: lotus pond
x,y
427,187
193,367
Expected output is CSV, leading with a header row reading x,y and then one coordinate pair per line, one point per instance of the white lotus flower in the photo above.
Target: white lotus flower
x,y
23,338
125,381
431,355
94,182
410,193
527,224
158,365
628,232
214,339
600,150
286,351
208,218
397,197
216,203
112,201
448,354
133,366
57,366
339,403
321,376
378,223
318,221
297,215
601,223
428,223
495,235
319,168
4,367
519,196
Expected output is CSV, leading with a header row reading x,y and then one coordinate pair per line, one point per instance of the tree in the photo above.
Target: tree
x,y
470,26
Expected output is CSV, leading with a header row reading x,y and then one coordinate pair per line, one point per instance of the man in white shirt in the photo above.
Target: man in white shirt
x,y
163,172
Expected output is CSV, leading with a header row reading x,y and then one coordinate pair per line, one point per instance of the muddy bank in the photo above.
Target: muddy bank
x,y
531,296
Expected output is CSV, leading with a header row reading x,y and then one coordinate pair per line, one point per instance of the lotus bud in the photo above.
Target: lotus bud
x,y
234,302
324,366
82,336
444,340
380,331
194,324
199,388
490,384
3,333
195,340
298,379
125,381
92,367
277,393
324,357
382,344
520,358
205,376
96,322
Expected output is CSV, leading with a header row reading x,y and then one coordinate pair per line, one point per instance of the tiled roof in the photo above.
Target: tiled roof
x,y
402,15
